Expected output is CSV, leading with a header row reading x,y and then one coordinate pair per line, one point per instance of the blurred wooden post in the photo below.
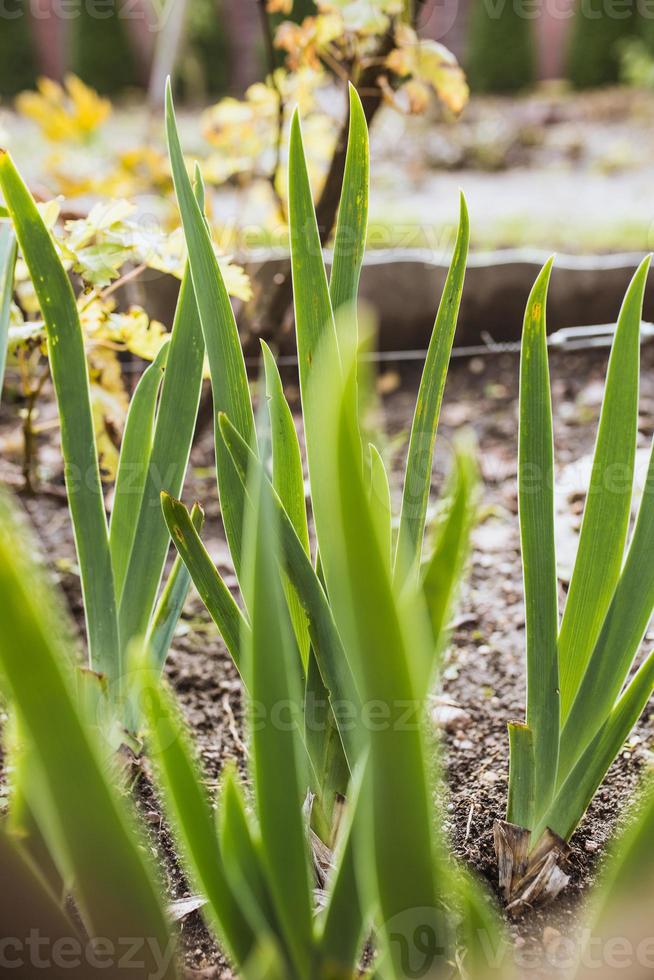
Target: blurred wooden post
x,y
242,27
167,45
445,21
552,29
50,32
142,25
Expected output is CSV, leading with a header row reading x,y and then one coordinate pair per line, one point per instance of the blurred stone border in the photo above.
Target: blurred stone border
x,y
404,288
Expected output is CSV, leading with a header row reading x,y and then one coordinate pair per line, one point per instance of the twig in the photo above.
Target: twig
x,y
232,727
112,287
128,277
469,824
271,302
29,449
281,107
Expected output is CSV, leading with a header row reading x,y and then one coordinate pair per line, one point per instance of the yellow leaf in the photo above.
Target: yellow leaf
x,y
400,61
363,16
63,114
140,335
405,36
431,64
237,281
417,94
304,42
109,404
90,110
438,67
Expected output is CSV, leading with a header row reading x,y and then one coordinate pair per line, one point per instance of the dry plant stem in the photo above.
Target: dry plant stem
x,y
529,878
29,435
267,312
272,65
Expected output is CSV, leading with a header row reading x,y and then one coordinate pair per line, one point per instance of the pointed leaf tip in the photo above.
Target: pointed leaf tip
x,y
354,98
464,215
296,129
541,284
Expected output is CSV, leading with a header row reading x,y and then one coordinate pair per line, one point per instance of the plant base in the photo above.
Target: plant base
x,y
533,877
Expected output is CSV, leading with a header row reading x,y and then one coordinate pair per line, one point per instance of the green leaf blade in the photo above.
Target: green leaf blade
x,y
114,886
327,644
288,481
620,637
133,466
171,447
443,571
314,315
380,499
171,602
606,515
191,814
279,789
384,644
241,847
352,222
71,382
417,481
314,326
520,807
584,779
7,264
229,381
219,601
536,507
342,924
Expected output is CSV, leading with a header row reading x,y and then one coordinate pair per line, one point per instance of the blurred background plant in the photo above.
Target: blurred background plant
x,y
262,59
105,253
107,246
491,35
307,62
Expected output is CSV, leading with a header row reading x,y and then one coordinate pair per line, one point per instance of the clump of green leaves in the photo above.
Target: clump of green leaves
x,y
326,329
355,626
582,700
389,873
121,562
66,832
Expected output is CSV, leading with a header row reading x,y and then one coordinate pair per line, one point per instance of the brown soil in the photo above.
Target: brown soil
x,y
483,672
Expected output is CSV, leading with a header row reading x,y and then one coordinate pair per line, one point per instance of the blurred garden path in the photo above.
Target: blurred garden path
x,y
564,172
553,170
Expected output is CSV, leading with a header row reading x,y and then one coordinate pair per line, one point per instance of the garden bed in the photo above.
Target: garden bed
x,y
402,286
483,673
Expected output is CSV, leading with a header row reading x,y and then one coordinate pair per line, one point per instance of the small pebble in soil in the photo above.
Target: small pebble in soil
x,y
450,717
